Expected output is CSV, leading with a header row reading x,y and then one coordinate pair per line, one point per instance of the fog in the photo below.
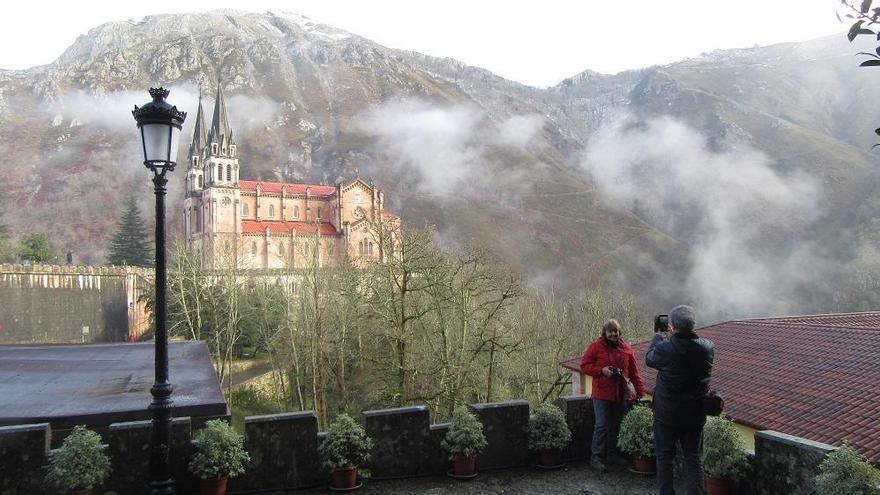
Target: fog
x,y
741,223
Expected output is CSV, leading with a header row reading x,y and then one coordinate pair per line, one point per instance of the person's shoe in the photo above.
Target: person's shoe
x,y
597,464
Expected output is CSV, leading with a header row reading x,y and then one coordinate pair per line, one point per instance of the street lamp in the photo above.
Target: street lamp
x,y
160,123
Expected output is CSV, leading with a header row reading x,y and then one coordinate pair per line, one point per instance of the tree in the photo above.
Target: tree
x,y
7,251
130,245
36,248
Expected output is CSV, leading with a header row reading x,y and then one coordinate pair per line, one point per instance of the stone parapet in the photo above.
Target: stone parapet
x,y
786,464
284,450
578,411
409,451
505,425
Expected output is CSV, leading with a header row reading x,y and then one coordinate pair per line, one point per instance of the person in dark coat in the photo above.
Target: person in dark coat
x,y
683,361
609,360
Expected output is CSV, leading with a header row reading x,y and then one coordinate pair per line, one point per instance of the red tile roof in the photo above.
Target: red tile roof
x,y
251,226
275,187
811,376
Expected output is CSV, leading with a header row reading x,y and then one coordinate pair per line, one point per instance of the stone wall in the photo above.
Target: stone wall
x,y
284,450
70,304
786,464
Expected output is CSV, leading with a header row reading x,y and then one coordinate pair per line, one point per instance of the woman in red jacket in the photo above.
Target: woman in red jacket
x,y
609,360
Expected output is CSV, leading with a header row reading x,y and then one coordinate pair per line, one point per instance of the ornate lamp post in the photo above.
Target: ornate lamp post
x,y
160,123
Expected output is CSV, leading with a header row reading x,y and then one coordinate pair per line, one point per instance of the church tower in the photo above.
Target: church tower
x,y
213,196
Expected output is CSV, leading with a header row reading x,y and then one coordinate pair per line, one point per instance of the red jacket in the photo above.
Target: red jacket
x,y
600,355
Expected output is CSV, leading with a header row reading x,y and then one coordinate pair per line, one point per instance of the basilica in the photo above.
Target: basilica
x,y
271,225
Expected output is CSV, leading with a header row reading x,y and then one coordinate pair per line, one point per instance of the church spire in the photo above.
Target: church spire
x,y
220,132
199,138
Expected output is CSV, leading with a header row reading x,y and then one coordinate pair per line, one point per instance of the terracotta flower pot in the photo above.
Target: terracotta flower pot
x,y
644,464
550,457
463,466
345,477
214,486
719,486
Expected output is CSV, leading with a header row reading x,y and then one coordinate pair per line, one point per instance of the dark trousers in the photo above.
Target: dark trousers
x,y
607,417
666,437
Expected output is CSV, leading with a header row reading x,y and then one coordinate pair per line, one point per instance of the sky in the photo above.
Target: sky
x,y
535,43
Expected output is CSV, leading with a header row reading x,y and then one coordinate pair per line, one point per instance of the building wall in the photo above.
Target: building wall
x,y
69,304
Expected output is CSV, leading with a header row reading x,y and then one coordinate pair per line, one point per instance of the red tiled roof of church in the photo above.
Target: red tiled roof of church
x,y
811,376
276,226
292,188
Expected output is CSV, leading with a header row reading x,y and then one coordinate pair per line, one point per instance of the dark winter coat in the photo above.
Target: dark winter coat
x,y
684,365
598,355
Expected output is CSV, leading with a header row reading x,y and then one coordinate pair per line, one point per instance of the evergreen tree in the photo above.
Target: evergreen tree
x,y
130,245
36,248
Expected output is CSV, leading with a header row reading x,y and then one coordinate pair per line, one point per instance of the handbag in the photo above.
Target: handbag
x,y
627,390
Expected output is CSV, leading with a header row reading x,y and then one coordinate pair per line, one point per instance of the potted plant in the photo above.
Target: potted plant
x,y
725,459
79,464
636,438
548,434
220,454
846,471
345,448
464,441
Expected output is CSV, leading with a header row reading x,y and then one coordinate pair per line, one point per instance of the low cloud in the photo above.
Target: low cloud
x,y
446,147
743,221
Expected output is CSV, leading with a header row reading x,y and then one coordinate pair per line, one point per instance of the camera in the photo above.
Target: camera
x,y
616,372
661,323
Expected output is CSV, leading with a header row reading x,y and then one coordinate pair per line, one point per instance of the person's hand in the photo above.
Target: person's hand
x,y
606,371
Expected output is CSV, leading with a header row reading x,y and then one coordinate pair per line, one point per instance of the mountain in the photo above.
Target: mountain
x,y
525,171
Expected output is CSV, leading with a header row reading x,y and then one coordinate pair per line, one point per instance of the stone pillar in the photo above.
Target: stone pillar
x,y
786,464
578,411
402,439
505,425
129,451
24,450
284,452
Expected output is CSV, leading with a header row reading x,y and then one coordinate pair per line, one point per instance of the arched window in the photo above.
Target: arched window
x,y
306,250
232,151
219,172
201,182
280,249
370,249
229,172
319,213
213,148
195,161
296,212
271,211
362,247
254,248
244,209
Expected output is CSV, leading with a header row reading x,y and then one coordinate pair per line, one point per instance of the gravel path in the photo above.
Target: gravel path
x,y
576,479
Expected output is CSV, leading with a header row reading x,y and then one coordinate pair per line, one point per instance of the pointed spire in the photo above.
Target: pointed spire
x,y
199,134
220,129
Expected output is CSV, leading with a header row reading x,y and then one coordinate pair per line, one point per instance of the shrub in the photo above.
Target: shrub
x,y
637,432
724,450
219,451
80,463
346,443
846,471
465,436
548,429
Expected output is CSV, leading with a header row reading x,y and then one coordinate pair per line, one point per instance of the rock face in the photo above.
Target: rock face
x,y
489,161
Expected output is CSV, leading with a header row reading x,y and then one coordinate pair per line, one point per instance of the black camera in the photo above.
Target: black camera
x,y
661,323
615,372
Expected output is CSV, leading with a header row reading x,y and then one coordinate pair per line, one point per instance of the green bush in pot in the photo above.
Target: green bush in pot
x,y
846,471
80,464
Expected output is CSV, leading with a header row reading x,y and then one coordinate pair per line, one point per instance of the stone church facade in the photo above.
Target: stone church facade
x,y
272,225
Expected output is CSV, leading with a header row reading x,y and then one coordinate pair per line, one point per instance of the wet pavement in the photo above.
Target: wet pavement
x,y
576,479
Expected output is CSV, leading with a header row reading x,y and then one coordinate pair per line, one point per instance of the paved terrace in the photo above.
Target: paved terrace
x,y
576,479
